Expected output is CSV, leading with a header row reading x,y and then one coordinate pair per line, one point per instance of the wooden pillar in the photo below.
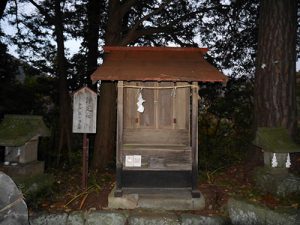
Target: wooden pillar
x,y
195,191
119,144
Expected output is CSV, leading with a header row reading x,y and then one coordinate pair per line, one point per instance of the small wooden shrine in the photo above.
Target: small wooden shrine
x,y
157,114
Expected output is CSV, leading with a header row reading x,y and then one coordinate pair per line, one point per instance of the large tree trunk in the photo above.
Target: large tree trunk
x,y
64,97
94,16
275,101
106,127
105,139
94,9
3,4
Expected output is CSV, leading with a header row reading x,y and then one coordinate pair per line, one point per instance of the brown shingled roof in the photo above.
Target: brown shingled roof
x,y
156,64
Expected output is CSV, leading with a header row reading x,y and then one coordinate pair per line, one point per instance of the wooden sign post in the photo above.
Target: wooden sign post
x,y
84,121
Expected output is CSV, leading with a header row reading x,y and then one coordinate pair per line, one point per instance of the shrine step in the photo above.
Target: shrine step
x,y
164,199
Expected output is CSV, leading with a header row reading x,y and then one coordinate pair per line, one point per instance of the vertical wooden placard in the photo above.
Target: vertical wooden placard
x,y
84,111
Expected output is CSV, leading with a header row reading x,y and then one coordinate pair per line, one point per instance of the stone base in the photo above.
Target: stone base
x,y
27,169
162,199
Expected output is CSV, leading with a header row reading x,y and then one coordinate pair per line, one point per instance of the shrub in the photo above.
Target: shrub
x,y
225,122
36,188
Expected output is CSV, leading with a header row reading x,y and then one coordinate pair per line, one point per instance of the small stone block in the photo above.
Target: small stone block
x,y
105,218
153,219
190,219
49,219
75,218
126,201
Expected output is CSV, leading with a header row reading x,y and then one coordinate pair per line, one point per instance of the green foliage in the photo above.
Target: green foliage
x,y
229,30
36,188
35,96
225,123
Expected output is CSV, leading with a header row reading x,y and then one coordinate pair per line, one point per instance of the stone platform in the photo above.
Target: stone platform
x,y
164,199
24,169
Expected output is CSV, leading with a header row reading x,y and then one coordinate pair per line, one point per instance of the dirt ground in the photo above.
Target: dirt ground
x,y
216,186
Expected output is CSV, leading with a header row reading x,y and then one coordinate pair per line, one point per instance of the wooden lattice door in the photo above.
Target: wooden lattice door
x,y
165,119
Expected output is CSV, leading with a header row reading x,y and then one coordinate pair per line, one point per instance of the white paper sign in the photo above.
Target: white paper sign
x,y
137,161
133,161
129,161
84,111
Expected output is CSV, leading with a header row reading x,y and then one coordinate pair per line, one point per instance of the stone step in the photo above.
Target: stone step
x,y
165,199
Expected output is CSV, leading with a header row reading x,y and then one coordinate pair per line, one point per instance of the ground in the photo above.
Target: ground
x,y
216,186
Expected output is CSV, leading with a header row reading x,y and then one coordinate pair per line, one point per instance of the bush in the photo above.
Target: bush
x,y
36,188
225,122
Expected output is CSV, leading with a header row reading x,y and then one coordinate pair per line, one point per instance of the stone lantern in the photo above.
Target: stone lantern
x,y
277,146
19,134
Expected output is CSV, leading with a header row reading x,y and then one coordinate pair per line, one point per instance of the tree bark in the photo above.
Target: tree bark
x,y
275,78
64,97
94,16
104,147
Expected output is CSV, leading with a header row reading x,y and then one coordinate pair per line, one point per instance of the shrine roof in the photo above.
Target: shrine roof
x,y
16,130
156,64
276,140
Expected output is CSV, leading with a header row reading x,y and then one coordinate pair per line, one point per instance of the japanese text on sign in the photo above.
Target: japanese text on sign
x,y
84,111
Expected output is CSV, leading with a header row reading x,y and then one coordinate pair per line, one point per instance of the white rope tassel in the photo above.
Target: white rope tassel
x,y
98,87
140,103
173,94
288,161
274,161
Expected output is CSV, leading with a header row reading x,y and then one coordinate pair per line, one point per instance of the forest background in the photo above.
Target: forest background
x,y
53,72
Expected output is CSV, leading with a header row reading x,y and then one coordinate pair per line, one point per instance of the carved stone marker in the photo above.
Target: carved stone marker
x,y
13,209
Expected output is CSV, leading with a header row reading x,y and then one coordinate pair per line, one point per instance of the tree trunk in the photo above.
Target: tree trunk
x,y
94,9
275,78
94,16
64,97
3,4
106,127
104,149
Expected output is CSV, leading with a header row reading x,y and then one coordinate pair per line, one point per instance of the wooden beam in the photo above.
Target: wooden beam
x,y
195,191
119,144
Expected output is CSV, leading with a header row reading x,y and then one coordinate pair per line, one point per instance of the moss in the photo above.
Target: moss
x,y
16,130
275,140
